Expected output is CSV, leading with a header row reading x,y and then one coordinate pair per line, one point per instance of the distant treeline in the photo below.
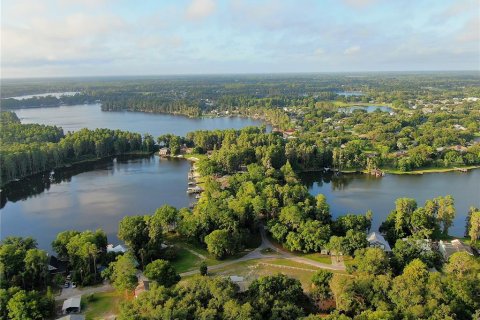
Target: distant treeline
x,y
27,149
48,101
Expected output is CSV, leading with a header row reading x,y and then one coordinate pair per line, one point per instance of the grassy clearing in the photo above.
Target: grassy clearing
x,y
317,257
254,269
185,260
101,305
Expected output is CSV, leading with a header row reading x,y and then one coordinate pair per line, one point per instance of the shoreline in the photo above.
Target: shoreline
x,y
77,163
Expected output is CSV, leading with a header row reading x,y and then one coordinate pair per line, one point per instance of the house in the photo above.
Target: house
x,y
117,249
73,317
449,248
376,240
164,152
56,266
143,285
72,305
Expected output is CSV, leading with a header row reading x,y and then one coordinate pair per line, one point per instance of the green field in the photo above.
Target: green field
x,y
101,305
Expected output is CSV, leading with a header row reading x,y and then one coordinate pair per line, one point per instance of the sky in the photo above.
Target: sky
x,y
53,38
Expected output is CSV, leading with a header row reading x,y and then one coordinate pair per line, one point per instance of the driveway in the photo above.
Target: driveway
x,y
74,292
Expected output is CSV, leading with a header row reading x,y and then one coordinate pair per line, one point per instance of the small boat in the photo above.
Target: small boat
x,y
197,196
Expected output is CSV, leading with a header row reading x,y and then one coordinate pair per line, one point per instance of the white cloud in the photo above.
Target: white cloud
x,y
359,3
319,52
352,50
200,9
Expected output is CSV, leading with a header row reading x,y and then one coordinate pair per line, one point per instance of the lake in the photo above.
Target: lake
x,y
369,109
98,195
93,196
356,193
72,118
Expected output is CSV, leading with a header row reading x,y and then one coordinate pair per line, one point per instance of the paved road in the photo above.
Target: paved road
x,y
257,254
74,292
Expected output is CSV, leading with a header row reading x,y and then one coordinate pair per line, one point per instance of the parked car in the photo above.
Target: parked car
x,y
66,285
74,284
69,277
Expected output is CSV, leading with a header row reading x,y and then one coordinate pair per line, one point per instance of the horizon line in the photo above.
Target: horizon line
x,y
240,74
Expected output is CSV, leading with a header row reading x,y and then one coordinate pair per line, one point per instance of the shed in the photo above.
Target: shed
x,y
376,240
72,305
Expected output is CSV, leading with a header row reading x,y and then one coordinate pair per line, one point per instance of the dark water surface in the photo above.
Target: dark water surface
x,y
356,193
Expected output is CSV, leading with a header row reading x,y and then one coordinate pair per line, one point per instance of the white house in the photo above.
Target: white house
x,y
376,240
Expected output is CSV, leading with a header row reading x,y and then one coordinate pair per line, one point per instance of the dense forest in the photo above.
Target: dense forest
x,y
27,149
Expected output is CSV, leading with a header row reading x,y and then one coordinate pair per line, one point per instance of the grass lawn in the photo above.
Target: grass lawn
x,y
317,257
185,260
102,304
254,269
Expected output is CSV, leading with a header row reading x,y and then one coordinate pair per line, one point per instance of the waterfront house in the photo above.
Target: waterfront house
x,y
56,266
376,240
449,248
164,152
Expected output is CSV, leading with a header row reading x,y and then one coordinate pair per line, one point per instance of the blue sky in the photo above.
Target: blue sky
x,y
123,37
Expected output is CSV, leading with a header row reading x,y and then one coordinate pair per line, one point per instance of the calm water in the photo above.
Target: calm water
x,y
93,196
72,118
369,109
358,193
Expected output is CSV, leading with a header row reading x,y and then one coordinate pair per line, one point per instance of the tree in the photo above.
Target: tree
x,y
30,306
167,216
321,285
203,268
36,266
371,261
353,241
473,226
220,243
162,272
267,292
446,212
123,273
409,290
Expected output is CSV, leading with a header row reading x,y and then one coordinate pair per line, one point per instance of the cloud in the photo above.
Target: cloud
x,y
200,9
352,50
359,4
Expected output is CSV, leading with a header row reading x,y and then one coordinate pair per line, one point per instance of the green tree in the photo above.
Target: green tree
x,y
162,272
220,243
123,273
321,285
371,261
203,268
